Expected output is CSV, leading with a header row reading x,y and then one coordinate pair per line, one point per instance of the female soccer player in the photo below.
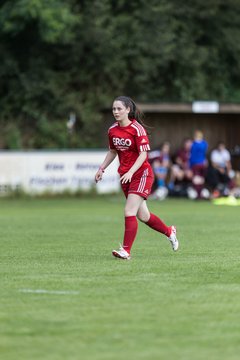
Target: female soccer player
x,y
128,139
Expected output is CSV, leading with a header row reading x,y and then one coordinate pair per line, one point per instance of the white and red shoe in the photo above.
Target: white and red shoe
x,y
173,238
121,254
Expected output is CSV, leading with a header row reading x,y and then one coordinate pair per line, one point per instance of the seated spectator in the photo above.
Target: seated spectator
x,y
161,165
220,174
181,167
198,164
181,172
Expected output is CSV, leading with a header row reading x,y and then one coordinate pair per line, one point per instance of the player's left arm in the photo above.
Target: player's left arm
x,y
127,177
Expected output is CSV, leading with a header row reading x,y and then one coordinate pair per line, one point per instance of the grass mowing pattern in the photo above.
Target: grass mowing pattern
x,y
159,305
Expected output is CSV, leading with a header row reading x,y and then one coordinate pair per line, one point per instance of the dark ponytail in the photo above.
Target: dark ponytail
x,y
134,113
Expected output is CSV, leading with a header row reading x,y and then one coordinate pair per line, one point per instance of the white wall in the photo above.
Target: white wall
x,y
55,171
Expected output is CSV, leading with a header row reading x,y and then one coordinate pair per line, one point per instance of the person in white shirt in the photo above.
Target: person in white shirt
x,y
221,159
220,172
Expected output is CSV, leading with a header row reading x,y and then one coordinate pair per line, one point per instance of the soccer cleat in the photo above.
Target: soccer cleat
x,y
121,254
173,238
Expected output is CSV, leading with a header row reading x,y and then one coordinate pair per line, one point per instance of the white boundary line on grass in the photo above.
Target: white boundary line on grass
x,y
51,292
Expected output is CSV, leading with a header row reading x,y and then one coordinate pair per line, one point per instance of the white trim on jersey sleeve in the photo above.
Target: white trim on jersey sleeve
x,y
139,128
144,147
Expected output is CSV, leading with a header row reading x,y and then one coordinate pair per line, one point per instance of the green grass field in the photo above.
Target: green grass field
x,y
63,296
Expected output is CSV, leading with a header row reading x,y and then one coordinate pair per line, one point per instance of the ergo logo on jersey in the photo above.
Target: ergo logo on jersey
x,y
122,141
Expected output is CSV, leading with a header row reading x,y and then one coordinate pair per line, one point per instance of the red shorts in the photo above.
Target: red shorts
x,y
141,184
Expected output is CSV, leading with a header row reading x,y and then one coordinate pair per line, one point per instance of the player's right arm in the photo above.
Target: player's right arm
x,y
111,154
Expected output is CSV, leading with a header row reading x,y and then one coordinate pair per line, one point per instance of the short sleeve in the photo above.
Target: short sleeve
x,y
110,137
142,143
110,142
142,140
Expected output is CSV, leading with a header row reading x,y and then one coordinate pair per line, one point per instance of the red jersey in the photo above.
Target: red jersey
x,y
129,141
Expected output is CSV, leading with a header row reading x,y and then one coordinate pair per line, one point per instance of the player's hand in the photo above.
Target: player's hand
x,y
126,177
99,175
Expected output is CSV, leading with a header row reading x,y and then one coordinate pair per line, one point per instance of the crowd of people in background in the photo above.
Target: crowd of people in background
x,y
192,171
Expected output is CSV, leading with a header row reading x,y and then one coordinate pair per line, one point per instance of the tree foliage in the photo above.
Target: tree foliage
x,y
77,55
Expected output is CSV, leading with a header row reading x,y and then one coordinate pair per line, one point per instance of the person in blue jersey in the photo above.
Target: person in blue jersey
x,y
198,162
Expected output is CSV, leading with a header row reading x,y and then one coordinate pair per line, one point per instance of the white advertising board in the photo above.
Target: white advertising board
x,y
56,171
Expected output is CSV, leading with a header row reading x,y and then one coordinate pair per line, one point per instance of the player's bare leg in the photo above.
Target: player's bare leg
x,y
143,213
133,203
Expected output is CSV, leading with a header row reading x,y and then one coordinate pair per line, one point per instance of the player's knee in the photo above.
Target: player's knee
x,y
140,218
143,217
